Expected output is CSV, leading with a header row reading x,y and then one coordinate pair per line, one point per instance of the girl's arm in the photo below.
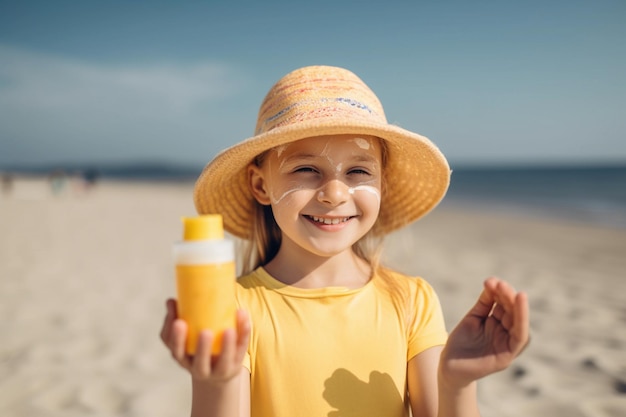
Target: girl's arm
x,y
231,399
220,385
487,340
428,394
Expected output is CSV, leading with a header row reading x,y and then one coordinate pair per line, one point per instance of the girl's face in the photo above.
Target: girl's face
x,y
324,191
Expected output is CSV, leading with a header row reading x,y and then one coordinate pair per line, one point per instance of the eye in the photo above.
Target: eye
x,y
305,169
359,171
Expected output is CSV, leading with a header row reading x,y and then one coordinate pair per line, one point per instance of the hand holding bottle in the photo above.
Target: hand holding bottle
x,y
203,366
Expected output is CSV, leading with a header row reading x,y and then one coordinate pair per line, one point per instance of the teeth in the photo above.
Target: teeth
x,y
329,221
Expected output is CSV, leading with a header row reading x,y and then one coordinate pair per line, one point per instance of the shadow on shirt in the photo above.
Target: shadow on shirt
x,y
352,397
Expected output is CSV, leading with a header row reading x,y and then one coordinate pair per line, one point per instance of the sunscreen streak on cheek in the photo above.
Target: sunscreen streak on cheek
x,y
272,192
278,200
367,188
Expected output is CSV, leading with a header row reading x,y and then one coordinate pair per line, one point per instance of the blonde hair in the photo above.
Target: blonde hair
x,y
266,238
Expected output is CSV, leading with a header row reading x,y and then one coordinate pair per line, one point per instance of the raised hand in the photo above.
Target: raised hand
x,y
489,337
203,366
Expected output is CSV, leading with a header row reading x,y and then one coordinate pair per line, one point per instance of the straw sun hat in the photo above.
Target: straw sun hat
x,y
317,101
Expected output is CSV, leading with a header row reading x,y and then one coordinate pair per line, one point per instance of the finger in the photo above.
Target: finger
x,y
507,321
201,367
498,312
227,355
520,329
177,343
505,295
512,310
170,315
171,306
485,301
502,315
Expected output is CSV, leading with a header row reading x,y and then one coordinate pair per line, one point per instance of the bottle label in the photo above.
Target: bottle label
x,y
206,300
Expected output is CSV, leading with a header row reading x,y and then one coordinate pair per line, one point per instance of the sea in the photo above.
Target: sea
x,y
586,194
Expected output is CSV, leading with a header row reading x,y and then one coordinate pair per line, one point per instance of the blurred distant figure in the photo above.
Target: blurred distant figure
x,y
84,181
90,175
7,183
58,181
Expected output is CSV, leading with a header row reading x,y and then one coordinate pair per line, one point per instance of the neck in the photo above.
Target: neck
x,y
303,269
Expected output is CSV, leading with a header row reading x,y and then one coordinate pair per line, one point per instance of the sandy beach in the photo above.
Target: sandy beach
x,y
84,274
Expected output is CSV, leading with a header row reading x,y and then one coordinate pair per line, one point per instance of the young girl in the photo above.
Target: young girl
x,y
323,329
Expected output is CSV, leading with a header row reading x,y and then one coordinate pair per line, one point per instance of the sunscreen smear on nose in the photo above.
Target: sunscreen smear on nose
x,y
205,279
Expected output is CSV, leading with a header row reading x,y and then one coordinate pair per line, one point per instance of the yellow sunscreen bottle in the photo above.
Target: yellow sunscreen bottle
x,y
205,279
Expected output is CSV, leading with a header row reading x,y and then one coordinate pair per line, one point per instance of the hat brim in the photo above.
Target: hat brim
x,y
416,173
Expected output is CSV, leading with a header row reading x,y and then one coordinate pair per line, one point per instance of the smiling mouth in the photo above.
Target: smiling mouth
x,y
328,220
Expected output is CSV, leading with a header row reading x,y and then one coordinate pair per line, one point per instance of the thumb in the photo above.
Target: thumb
x,y
486,300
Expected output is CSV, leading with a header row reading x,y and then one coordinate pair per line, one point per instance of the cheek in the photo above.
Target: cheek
x,y
284,195
368,193
288,199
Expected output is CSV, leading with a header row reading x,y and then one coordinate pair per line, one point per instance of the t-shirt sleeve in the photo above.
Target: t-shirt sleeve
x,y
426,324
246,359
246,362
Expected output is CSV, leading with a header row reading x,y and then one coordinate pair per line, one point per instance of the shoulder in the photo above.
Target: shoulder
x,y
251,285
414,285
412,296
425,324
256,289
252,296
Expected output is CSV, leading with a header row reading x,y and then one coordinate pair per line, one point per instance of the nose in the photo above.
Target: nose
x,y
333,193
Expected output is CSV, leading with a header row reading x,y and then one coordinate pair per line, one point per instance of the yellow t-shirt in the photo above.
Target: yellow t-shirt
x,y
335,351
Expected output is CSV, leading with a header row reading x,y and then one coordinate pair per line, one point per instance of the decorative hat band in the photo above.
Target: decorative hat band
x,y
339,98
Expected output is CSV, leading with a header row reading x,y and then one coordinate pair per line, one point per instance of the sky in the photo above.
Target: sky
x,y
490,82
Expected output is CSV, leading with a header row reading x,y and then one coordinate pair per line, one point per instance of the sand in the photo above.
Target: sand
x,y
84,274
